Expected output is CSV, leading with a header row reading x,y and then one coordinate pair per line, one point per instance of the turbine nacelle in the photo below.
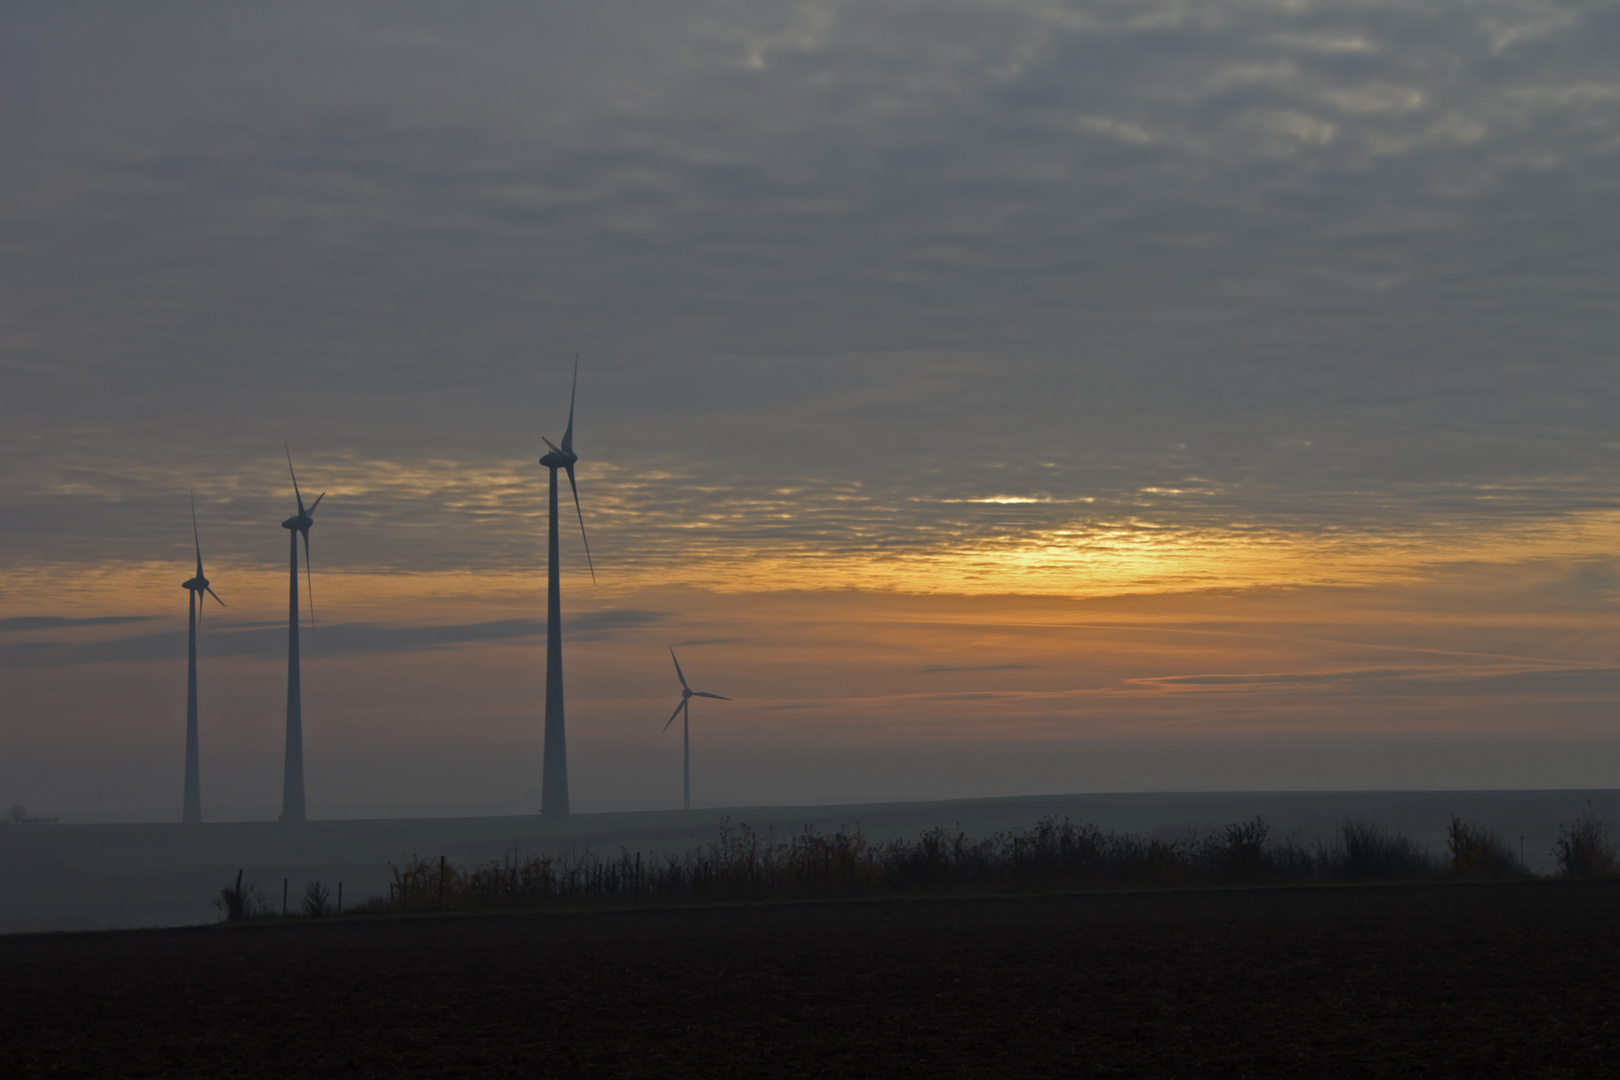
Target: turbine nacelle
x,y
301,522
558,458
196,584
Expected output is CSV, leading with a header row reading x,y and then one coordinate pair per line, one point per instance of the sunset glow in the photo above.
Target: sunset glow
x,y
996,398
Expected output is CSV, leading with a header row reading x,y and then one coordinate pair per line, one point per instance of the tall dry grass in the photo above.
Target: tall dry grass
x,y
743,864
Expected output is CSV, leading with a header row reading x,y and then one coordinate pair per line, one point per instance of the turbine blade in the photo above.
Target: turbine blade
x,y
194,538
215,595
678,673
296,493
717,697
313,505
573,487
309,576
568,436
551,444
672,716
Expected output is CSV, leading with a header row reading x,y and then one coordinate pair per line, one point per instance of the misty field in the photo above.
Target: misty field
x,y
1446,979
126,876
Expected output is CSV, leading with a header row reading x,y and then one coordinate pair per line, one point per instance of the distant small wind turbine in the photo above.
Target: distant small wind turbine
x,y
191,809
554,767
685,707
292,776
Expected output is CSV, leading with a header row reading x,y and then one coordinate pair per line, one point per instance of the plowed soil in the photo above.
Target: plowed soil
x,y
1514,980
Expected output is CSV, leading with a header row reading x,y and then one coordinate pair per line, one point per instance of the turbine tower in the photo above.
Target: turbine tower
x,y
191,809
554,769
292,776
685,707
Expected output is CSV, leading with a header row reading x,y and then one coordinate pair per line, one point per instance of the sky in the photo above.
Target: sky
x,y
993,398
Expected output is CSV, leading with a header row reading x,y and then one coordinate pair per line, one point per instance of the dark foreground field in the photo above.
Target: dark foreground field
x,y
1415,980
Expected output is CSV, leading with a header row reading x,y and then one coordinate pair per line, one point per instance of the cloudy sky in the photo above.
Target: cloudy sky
x,y
994,397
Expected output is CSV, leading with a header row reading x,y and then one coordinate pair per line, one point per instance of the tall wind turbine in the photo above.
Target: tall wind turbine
x,y
554,770
191,809
292,775
684,709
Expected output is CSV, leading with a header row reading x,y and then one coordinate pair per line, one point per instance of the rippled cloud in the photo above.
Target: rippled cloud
x,y
963,282
956,373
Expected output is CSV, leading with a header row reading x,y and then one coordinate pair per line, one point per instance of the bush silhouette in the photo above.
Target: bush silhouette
x,y
1583,849
316,900
1370,852
1480,853
237,902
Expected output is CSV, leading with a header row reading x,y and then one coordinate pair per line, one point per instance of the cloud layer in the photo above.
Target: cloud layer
x,y
1265,348
878,278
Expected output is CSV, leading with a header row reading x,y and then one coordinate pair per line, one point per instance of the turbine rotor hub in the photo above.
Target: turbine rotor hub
x,y
556,459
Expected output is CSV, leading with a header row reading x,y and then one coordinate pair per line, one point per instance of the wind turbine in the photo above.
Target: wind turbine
x,y
554,769
685,707
191,809
292,775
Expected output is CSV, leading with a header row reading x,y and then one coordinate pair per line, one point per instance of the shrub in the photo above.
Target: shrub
x,y
316,900
1368,851
1238,852
1480,853
238,902
1583,849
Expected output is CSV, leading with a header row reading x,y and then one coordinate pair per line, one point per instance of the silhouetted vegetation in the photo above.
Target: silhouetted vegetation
x,y
741,864
1372,853
1480,853
317,900
239,902
1583,849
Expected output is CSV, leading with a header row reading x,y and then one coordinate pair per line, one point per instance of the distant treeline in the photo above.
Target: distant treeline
x,y
741,864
